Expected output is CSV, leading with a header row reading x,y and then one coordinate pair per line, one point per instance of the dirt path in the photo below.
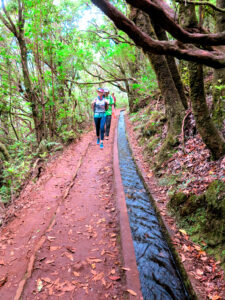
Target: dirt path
x,y
63,242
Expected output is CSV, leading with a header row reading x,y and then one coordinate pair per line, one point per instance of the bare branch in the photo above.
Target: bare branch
x,y
104,81
12,26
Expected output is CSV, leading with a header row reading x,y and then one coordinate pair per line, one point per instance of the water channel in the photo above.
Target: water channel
x,y
159,276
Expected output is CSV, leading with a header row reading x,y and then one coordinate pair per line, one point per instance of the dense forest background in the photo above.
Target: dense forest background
x,y
165,61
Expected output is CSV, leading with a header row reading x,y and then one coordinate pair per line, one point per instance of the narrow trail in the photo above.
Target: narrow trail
x,y
63,243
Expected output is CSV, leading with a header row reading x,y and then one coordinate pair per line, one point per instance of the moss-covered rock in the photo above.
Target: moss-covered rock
x,y
215,198
176,200
214,225
203,217
192,204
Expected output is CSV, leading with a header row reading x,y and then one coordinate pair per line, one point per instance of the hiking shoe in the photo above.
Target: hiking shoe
x,y
107,138
101,145
98,141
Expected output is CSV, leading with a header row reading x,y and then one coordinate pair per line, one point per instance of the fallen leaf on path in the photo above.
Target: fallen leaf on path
x,y
54,248
216,297
2,262
68,255
114,278
3,280
67,287
126,269
113,271
103,281
132,292
183,258
197,247
50,291
183,231
96,249
199,272
70,249
51,238
46,279
76,274
98,276
49,261
94,260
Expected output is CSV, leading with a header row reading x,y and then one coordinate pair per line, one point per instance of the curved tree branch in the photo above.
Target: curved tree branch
x,y
215,59
104,81
204,3
157,14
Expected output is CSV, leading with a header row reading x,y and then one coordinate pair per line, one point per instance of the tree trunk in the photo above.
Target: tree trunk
x,y
218,109
132,94
32,97
4,151
207,129
174,109
205,125
161,35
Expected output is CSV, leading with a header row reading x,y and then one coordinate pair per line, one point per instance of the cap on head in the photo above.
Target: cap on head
x,y
100,90
106,90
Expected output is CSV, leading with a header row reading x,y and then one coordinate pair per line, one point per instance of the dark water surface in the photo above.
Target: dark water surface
x,y
159,276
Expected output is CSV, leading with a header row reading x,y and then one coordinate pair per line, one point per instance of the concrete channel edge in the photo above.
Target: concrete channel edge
x,y
129,259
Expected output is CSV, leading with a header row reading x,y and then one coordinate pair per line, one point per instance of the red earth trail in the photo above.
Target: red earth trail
x,y
63,241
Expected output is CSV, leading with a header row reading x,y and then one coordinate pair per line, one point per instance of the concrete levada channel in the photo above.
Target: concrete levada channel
x,y
159,276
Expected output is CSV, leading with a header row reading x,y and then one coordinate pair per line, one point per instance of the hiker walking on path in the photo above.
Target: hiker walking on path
x,y
111,101
100,106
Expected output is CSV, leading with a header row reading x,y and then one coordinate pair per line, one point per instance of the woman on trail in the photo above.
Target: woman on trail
x,y
100,105
108,113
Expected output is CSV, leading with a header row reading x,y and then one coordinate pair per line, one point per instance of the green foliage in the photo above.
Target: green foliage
x,y
68,136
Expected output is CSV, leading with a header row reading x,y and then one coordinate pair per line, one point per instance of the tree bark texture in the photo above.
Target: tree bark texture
x,y
218,109
161,35
207,129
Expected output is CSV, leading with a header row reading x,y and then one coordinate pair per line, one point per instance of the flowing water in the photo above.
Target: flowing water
x,y
159,276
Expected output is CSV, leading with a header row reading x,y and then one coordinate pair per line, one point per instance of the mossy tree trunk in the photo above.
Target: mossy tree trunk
x,y
207,129
218,109
4,151
174,108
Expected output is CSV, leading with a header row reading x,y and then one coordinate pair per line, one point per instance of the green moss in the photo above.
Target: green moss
x,y
152,143
167,149
203,217
169,180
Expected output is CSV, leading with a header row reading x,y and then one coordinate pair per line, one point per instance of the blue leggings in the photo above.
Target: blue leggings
x,y
99,125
